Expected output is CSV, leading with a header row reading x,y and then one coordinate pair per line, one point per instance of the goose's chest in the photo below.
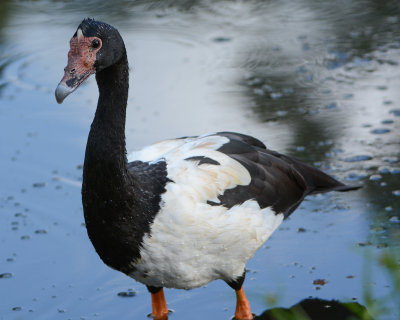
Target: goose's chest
x,y
189,248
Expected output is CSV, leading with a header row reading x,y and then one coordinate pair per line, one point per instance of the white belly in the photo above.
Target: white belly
x,y
202,244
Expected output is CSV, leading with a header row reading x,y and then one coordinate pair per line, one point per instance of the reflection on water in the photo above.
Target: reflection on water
x,y
317,309
318,80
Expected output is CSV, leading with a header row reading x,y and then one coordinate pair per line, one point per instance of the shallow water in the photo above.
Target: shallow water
x,y
315,80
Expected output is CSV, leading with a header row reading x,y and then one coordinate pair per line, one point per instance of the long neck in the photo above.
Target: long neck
x,y
105,168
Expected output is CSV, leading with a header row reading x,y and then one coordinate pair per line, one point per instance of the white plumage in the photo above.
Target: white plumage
x,y
191,242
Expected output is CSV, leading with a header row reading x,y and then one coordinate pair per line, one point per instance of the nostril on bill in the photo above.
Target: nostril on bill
x,y
72,71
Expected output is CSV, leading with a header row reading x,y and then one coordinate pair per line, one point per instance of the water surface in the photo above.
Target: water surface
x,y
318,81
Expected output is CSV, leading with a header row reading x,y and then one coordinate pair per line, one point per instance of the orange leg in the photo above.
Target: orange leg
x,y
243,311
159,305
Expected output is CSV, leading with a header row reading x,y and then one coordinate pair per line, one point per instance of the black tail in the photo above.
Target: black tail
x,y
316,180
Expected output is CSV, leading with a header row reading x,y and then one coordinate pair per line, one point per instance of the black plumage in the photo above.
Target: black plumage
x,y
277,181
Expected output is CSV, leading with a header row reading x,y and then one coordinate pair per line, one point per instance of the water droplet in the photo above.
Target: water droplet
x,y
358,158
332,105
380,131
391,159
394,170
394,219
258,92
221,39
39,185
40,231
382,87
387,121
287,90
355,176
254,81
267,87
16,309
348,96
366,125
396,193
26,237
301,69
276,95
395,112
6,275
375,177
127,294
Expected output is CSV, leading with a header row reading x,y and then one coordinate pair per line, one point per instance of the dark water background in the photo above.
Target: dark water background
x,y
319,80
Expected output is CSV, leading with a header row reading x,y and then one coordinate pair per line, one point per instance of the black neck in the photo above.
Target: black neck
x,y
105,168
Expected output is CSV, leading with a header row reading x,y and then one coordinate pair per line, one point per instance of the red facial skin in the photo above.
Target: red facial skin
x,y
81,59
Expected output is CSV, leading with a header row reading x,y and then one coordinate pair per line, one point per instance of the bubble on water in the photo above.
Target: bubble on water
x,y
392,19
301,69
375,177
332,105
40,231
254,81
16,309
258,92
61,310
267,87
384,170
395,112
396,193
5,275
357,158
382,87
387,121
380,131
394,170
221,39
288,91
391,159
366,125
348,96
127,294
25,237
394,219
39,184
275,95
387,102
281,113
355,176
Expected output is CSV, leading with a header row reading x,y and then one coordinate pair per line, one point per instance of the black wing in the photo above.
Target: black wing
x,y
277,181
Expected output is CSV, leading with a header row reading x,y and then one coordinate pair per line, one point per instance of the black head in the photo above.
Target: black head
x,y
94,46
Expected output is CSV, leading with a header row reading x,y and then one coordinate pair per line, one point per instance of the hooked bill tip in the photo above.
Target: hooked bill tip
x,y
62,92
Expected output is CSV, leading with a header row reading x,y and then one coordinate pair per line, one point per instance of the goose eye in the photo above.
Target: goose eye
x,y
95,43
